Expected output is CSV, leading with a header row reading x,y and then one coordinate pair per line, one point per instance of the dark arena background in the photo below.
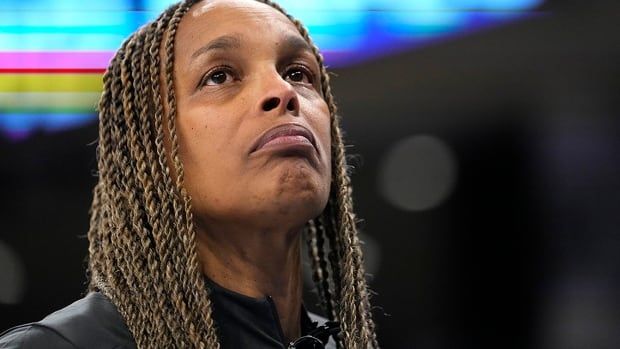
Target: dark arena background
x,y
484,137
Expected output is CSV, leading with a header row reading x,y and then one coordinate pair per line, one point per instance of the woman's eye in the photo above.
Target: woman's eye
x,y
217,77
299,75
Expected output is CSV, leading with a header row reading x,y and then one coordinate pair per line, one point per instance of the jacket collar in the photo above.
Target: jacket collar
x,y
247,322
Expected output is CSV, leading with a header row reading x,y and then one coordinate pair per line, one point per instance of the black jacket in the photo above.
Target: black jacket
x,y
94,322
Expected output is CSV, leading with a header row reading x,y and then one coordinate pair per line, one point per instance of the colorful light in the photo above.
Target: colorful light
x,y
52,57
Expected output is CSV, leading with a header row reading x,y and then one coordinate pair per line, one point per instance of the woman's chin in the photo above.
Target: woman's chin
x,y
303,191
293,206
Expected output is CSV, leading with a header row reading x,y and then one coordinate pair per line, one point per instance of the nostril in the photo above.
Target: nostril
x,y
292,104
271,104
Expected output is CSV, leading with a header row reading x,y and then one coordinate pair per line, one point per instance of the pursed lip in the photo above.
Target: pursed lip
x,y
283,131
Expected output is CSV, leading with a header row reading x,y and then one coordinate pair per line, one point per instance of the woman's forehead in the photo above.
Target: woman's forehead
x,y
217,16
233,23
205,6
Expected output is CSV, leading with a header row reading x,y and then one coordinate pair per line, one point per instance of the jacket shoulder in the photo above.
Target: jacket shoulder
x,y
33,336
91,322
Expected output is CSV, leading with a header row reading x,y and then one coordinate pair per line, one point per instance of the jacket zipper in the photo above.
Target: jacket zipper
x,y
274,312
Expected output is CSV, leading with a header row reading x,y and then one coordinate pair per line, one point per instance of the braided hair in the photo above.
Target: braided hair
x,y
142,251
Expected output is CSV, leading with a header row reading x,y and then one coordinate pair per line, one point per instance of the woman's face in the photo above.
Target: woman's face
x,y
253,127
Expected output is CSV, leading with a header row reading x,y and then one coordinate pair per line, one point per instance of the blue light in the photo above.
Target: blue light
x,y
451,5
340,26
66,5
18,126
59,42
296,7
492,5
290,5
336,31
110,22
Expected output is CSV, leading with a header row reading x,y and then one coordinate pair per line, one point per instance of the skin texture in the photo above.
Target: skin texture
x,y
241,69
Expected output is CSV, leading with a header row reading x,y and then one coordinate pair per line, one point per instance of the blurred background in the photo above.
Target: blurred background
x,y
485,136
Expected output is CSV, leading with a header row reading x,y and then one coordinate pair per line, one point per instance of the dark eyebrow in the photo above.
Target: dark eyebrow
x,y
295,43
225,42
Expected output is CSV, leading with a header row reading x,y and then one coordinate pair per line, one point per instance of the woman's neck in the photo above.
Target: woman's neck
x,y
257,264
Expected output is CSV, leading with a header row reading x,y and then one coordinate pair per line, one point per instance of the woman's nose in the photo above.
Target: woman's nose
x,y
274,102
278,96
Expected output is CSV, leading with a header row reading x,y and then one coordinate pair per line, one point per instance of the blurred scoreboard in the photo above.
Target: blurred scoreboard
x,y
53,52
